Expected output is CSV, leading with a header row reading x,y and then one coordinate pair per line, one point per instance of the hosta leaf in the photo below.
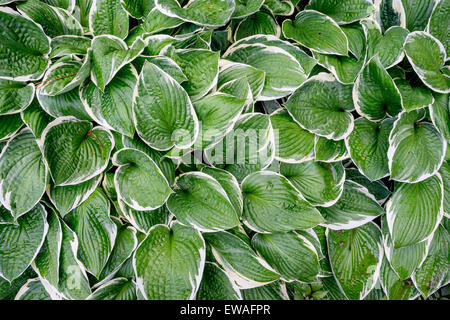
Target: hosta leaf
x,y
317,32
427,57
65,104
356,257
21,242
320,98
440,114
124,246
414,211
116,289
293,143
245,8
405,260
210,13
200,201
343,11
272,204
257,24
95,230
108,17
216,285
112,107
169,262
10,125
73,280
65,4
67,198
376,188
319,183
428,278
158,96
240,88
64,76
138,8
414,97
22,59
445,174
139,181
229,184
283,72
32,290
217,114
54,21
144,220
394,287
290,254
85,8
272,291
417,13
280,7
368,145
36,118
375,94
416,148
355,207
201,68
23,174
75,152
438,26
388,46
15,96
47,261
169,66
69,44
239,261
327,150
109,55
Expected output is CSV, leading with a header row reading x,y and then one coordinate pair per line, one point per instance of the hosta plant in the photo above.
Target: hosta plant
x,y
224,149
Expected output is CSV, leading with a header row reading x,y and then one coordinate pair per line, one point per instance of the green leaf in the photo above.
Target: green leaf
x,y
411,136
116,289
10,126
169,66
272,204
73,280
53,20
394,287
280,7
414,97
35,118
440,114
356,256
314,111
368,145
32,290
158,96
438,26
343,11
67,198
376,188
95,230
138,8
327,150
283,72
109,55
290,254
210,13
389,13
375,94
172,256
257,24
445,174
317,32
320,183
240,262
139,181
245,8
427,56
75,152
111,108
293,143
272,291
405,260
21,242
15,96
69,44
216,285
22,59
429,277
144,220
108,17
415,210
199,200
417,13
23,174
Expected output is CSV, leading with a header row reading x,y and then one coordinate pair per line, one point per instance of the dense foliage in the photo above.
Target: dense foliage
x,y
224,149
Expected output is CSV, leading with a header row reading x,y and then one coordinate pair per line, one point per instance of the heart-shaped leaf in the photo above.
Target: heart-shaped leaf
x,y
108,17
394,287
216,285
15,96
343,11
